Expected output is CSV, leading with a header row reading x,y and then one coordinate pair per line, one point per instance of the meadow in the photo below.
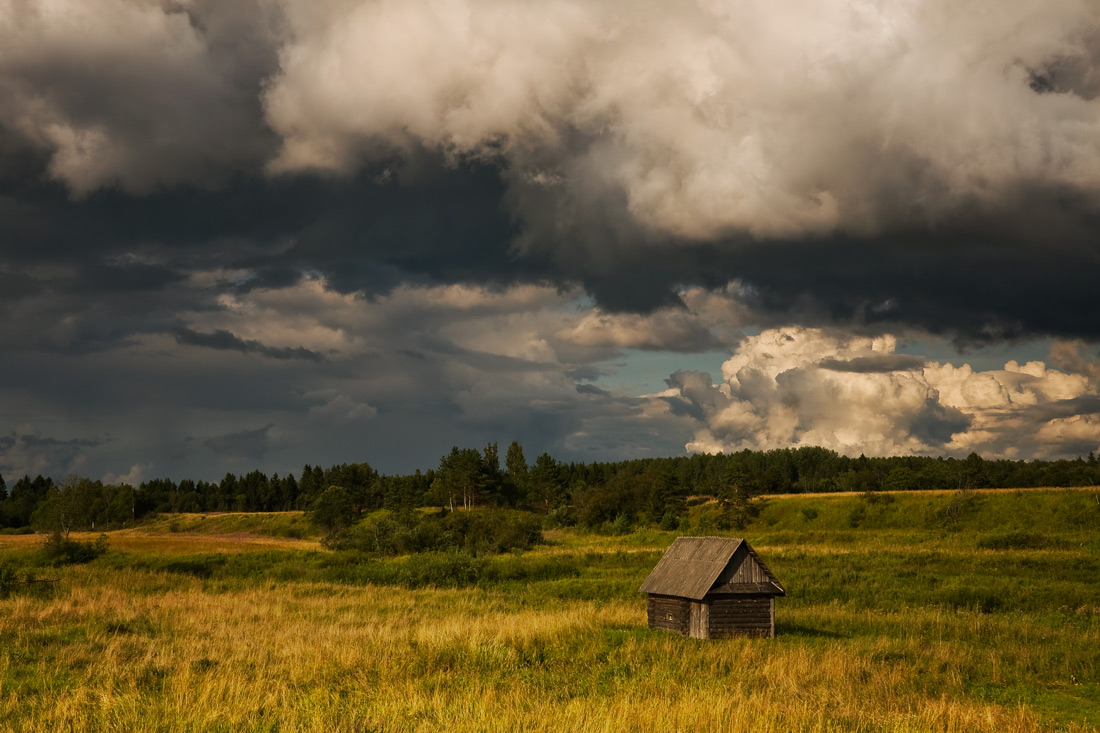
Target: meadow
x,y
953,611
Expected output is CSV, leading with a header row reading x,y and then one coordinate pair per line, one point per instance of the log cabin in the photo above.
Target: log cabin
x,y
712,588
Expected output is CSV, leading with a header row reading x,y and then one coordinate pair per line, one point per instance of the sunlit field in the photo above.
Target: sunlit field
x,y
952,612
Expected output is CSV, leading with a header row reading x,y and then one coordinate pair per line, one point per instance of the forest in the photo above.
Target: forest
x,y
613,497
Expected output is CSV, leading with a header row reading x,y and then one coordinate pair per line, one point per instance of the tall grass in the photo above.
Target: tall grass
x,y
896,624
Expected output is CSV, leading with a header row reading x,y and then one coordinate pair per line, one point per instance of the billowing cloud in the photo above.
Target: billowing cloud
x,y
137,94
710,117
798,386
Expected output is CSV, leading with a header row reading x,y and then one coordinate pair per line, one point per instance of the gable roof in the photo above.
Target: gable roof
x,y
692,565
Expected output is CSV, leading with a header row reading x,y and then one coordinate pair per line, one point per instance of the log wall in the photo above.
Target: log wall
x,y
665,612
741,615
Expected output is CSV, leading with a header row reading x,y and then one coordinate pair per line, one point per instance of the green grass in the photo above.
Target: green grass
x,y
295,525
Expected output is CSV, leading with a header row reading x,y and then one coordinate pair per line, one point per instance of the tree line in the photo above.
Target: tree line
x,y
647,491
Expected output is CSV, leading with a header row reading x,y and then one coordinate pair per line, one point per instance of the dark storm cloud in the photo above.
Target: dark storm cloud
x,y
16,286
986,276
167,169
196,100
873,364
226,341
252,444
936,424
991,273
697,396
30,452
139,94
1089,405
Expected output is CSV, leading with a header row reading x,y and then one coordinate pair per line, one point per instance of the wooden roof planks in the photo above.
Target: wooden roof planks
x,y
692,567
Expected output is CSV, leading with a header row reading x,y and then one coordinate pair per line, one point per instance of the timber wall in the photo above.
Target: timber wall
x,y
741,615
665,612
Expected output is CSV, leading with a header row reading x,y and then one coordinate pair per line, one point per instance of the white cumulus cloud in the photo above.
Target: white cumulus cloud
x,y
802,386
710,116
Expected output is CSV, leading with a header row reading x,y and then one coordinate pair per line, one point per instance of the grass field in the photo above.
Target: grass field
x,y
949,612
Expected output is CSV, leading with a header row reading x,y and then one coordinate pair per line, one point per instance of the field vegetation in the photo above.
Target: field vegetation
x,y
949,611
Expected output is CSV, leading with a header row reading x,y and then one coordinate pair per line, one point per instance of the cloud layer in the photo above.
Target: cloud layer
x,y
248,231
799,386
709,118
699,119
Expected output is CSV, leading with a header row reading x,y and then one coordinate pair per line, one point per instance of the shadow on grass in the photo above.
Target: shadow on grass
x,y
782,629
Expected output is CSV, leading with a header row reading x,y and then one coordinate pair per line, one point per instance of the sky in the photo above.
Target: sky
x,y
267,233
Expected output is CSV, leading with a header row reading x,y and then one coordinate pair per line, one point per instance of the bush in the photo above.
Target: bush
x,y
561,516
442,570
809,513
962,503
474,532
333,510
12,582
60,550
8,580
856,516
620,525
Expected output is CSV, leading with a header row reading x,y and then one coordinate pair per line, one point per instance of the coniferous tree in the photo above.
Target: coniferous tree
x,y
491,474
546,486
515,476
308,488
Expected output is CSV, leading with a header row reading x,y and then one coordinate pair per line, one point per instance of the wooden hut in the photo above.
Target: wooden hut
x,y
712,588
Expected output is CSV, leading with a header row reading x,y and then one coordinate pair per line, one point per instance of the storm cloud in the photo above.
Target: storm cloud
x,y
468,218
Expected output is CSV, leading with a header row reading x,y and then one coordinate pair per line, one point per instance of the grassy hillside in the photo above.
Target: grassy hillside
x,y
957,612
292,525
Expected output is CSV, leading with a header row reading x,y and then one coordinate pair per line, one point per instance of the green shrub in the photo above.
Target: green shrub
x,y
561,516
620,525
333,510
961,504
857,515
60,550
9,578
12,582
809,513
474,532
442,570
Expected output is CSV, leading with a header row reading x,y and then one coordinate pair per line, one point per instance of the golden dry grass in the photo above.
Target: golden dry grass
x,y
138,651
881,633
144,540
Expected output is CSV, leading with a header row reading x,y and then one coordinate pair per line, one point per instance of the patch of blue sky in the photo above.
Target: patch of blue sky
x,y
641,372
